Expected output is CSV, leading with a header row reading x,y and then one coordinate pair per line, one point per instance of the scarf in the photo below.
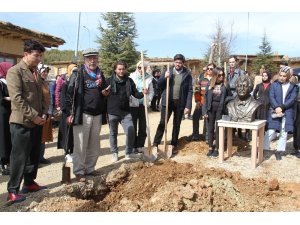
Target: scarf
x,y
96,75
115,80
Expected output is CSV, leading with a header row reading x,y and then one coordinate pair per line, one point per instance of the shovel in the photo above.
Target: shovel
x,y
166,150
66,170
150,153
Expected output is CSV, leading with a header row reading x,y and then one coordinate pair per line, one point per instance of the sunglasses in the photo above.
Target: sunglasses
x,y
221,75
209,68
139,67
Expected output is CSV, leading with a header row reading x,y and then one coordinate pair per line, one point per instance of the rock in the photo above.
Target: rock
x,y
116,176
273,185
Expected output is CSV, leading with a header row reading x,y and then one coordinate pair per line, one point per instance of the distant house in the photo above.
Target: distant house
x,y
12,39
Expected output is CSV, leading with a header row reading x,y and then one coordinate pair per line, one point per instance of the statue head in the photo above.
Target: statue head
x,y
244,87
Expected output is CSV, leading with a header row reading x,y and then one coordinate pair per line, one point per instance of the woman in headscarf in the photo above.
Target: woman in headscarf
x,y
5,110
261,94
137,107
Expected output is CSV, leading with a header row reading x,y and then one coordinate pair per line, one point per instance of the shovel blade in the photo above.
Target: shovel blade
x,y
150,153
165,151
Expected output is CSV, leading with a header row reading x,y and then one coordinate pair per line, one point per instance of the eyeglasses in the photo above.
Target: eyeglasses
x,y
221,75
139,67
209,68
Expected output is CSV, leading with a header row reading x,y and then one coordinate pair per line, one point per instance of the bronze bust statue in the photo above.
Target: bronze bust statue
x,y
243,107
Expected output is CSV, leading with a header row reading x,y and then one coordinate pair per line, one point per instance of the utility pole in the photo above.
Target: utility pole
x,y
77,42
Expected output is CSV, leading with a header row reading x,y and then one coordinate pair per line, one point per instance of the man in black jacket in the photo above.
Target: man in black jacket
x,y
180,98
84,107
120,88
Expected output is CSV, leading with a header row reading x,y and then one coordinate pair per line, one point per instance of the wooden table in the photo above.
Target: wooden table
x,y
257,127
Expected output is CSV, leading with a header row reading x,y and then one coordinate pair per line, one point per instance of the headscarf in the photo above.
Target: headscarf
x,y
4,67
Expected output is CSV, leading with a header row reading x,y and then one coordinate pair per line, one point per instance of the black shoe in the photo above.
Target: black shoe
x,y
4,169
215,153
45,161
278,155
210,152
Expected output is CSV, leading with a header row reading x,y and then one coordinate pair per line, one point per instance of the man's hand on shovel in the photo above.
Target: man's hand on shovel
x,y
145,91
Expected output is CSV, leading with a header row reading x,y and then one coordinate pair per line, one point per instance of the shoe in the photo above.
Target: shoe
x,y
174,150
69,158
140,150
45,161
4,170
215,153
210,152
94,174
132,156
278,155
115,157
80,177
32,188
15,198
247,136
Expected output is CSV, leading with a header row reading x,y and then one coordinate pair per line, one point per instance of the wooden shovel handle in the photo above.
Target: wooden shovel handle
x,y
167,108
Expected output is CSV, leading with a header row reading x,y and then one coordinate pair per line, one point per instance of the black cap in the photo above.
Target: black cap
x,y
179,57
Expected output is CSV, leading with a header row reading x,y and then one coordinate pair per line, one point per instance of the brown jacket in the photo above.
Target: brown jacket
x,y
27,100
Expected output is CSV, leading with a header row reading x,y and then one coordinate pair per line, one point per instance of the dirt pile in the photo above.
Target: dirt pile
x,y
171,186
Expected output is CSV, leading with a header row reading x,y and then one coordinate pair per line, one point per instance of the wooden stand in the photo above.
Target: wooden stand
x,y
257,127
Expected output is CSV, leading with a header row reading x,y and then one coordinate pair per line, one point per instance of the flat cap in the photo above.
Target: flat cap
x,y
90,52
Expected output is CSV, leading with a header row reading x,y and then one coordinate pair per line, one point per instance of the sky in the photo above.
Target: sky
x,y
163,34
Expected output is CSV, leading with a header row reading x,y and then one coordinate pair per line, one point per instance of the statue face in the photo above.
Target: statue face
x,y
243,89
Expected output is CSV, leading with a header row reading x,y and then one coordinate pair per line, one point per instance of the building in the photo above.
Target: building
x,y
12,39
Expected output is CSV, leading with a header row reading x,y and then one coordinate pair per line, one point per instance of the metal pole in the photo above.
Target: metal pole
x,y
247,45
89,34
77,42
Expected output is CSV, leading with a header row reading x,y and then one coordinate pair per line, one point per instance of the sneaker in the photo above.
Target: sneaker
x,y
32,188
132,156
80,177
15,198
140,150
69,158
115,157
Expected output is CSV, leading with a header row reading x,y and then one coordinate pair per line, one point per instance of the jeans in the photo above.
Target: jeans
x,y
127,124
24,158
139,123
177,117
270,135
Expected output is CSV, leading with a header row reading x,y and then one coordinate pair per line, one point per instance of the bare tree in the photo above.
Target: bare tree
x,y
221,44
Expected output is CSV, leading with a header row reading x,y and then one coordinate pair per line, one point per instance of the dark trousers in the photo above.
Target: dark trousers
x,y
155,102
296,133
213,115
139,123
24,158
196,120
177,117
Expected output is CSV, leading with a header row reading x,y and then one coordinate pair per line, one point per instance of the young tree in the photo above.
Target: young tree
x,y
220,45
264,57
117,41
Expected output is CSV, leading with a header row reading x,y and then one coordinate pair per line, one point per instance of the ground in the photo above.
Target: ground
x,y
190,181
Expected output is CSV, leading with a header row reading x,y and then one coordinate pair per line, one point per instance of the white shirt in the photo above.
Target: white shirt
x,y
285,88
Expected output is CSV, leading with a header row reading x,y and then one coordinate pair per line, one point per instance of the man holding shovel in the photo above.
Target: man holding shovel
x,y
180,99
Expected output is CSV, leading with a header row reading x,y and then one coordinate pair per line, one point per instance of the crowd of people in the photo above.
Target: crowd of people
x,y
84,99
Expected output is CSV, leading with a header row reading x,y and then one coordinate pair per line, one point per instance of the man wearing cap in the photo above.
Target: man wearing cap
x,y
28,115
84,107
180,98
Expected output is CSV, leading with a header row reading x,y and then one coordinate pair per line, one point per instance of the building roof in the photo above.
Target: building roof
x,y
13,31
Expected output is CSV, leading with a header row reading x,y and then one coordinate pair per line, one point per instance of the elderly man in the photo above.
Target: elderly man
x,y
28,115
84,107
244,107
180,99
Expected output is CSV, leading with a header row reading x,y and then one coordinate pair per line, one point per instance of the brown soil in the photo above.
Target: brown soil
x,y
169,185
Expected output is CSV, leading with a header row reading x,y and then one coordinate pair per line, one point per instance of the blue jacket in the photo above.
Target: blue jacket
x,y
186,88
276,100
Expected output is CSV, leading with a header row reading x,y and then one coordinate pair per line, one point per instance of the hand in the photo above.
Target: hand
x,y
186,111
105,92
278,110
145,91
167,74
69,120
58,108
98,82
39,120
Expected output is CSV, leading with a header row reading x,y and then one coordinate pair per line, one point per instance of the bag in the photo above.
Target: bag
x,y
57,115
